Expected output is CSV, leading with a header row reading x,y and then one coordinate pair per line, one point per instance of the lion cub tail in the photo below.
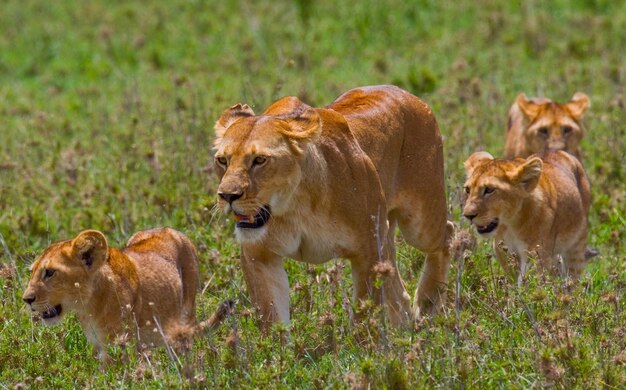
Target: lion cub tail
x,y
225,309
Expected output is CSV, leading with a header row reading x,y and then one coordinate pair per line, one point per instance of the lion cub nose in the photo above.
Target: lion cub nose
x,y
229,197
29,299
470,216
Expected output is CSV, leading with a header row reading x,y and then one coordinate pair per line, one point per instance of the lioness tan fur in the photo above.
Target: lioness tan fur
x,y
538,124
313,184
534,205
147,289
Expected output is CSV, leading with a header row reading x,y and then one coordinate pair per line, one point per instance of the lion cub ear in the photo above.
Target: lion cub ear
x,y
578,105
529,107
304,126
90,248
528,173
475,160
228,117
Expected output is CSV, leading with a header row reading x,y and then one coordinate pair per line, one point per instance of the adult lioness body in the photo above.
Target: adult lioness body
x,y
314,184
535,205
147,289
537,125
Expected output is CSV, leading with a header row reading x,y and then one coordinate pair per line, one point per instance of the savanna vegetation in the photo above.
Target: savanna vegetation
x,y
106,117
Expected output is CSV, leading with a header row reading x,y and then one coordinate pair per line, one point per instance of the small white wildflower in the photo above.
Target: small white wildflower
x,y
155,330
128,306
148,323
151,304
77,285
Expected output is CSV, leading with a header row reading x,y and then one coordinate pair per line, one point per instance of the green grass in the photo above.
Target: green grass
x,y
106,116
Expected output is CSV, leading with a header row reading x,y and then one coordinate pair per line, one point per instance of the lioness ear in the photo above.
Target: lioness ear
x,y
304,126
228,117
578,105
529,108
528,174
474,160
286,106
90,248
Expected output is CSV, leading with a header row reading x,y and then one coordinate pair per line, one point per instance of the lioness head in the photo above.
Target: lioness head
x,y
258,159
553,126
60,277
495,189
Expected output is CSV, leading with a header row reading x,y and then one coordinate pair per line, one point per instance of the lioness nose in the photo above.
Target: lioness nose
x,y
29,299
229,197
470,216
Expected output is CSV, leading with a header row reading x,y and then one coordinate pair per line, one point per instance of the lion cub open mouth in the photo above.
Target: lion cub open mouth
x,y
51,312
253,221
489,228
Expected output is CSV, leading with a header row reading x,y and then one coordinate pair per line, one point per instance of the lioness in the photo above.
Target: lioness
x,y
147,289
314,184
532,205
538,124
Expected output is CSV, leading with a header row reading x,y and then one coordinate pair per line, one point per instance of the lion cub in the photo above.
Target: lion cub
x,y
147,289
538,124
532,205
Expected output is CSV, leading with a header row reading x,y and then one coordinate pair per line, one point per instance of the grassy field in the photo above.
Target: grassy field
x,y
106,117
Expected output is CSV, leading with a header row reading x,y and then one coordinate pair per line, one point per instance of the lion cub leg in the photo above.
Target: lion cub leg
x,y
268,285
575,260
523,268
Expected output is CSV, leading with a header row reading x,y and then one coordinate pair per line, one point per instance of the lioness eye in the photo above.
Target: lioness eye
x,y
221,161
259,160
489,190
47,274
566,129
543,130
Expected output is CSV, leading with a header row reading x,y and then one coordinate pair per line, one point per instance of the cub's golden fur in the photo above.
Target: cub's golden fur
x,y
537,205
147,289
315,184
538,124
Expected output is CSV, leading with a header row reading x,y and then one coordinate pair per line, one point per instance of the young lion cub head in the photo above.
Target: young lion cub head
x,y
539,124
60,276
258,159
495,189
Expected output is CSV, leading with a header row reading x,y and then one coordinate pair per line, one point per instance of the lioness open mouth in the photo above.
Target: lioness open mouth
x,y
52,312
489,228
253,221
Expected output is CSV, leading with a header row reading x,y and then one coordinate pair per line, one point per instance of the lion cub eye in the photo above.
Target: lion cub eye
x,y
223,161
566,130
489,190
467,190
543,131
259,160
47,274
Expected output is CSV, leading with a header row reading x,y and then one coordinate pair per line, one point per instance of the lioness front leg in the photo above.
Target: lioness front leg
x,y
268,285
431,292
391,294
